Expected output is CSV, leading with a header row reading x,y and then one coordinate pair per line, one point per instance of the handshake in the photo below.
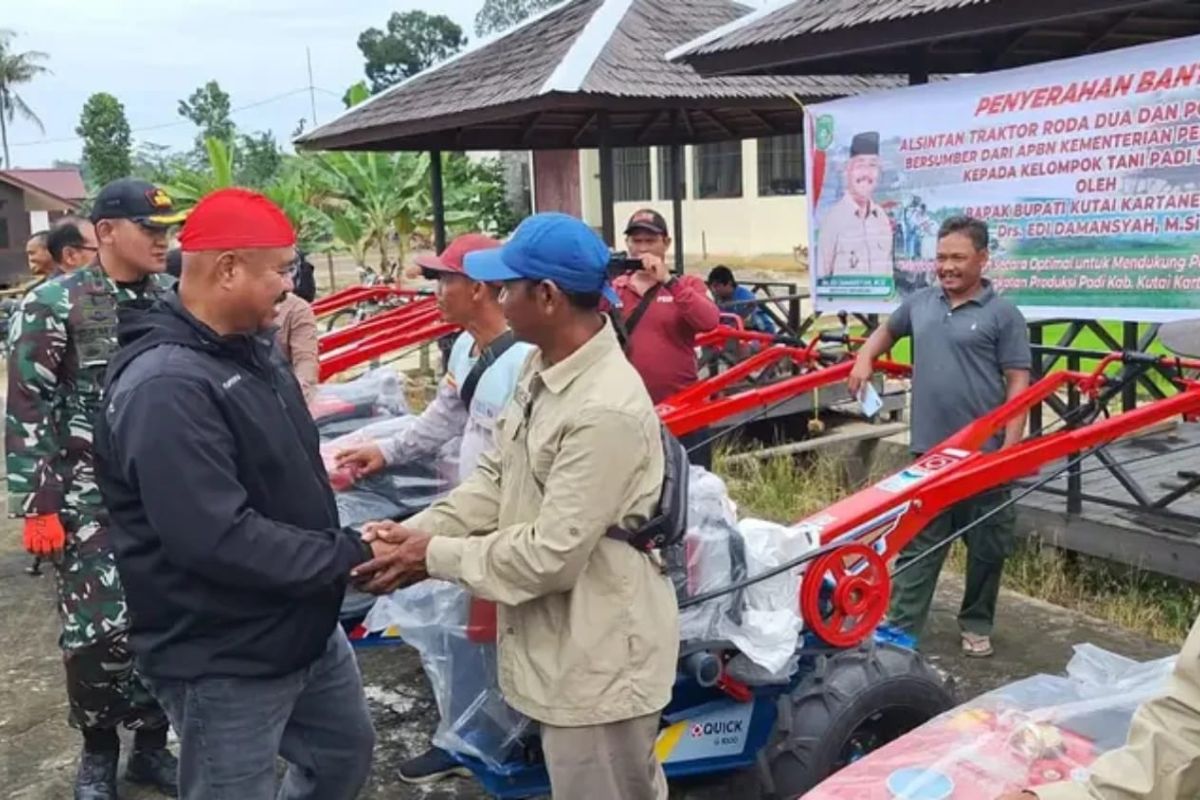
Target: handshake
x,y
399,558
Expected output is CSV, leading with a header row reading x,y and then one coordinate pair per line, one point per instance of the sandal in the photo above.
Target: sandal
x,y
976,645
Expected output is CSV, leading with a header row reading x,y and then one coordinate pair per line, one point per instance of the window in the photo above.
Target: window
x,y
781,165
4,242
719,170
631,174
666,175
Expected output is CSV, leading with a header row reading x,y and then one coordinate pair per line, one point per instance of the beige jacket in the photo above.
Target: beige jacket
x,y
297,338
588,626
1161,758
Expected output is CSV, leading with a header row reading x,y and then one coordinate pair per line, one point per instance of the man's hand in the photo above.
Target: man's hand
x,y
364,459
388,532
395,564
655,267
44,535
860,376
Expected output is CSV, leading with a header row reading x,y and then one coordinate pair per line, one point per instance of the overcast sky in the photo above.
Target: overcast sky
x,y
151,54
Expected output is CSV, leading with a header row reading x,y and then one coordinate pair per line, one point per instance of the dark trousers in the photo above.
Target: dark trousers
x,y
232,729
988,545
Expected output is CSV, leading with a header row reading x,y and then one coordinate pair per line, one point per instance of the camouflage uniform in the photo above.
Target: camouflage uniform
x,y
60,343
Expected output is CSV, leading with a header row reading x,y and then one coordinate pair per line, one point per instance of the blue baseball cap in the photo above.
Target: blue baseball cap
x,y
548,247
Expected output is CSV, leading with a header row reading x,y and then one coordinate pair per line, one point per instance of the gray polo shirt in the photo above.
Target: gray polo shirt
x,y
959,358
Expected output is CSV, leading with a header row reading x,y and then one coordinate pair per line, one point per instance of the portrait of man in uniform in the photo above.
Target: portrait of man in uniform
x,y
855,238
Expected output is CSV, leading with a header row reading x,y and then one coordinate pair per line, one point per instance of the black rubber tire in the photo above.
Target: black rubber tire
x,y
879,688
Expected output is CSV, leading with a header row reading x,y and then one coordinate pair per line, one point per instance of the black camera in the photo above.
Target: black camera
x,y
620,263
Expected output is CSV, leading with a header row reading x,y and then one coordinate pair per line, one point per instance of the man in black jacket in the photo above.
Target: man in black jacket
x,y
234,577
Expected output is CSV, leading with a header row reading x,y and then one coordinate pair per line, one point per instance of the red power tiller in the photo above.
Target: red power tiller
x,y
846,585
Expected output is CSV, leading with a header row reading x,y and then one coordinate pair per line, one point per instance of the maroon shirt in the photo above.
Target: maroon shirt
x,y
662,347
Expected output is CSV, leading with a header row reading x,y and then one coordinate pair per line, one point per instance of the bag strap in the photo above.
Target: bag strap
x,y
489,356
633,319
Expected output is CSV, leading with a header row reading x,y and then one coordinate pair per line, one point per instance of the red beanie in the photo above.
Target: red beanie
x,y
235,219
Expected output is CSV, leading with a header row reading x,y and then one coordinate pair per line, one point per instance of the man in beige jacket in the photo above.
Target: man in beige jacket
x,y
1161,758
588,626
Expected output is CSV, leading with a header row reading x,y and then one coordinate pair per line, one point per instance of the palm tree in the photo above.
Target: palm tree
x,y
15,69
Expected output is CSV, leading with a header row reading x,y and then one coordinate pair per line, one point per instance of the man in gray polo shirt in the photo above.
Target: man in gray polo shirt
x,y
971,354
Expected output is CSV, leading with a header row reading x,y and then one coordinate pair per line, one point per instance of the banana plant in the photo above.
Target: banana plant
x,y
187,189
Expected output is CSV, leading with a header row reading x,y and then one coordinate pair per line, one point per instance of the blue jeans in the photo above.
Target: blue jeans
x,y
232,729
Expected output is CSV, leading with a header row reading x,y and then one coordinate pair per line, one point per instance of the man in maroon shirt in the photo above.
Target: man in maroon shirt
x,y
675,308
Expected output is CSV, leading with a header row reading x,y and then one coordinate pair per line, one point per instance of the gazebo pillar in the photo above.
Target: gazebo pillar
x,y
608,221
438,200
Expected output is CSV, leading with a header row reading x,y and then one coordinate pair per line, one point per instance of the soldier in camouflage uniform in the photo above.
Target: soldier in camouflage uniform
x,y
60,343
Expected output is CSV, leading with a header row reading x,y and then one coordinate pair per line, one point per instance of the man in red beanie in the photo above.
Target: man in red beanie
x,y
234,582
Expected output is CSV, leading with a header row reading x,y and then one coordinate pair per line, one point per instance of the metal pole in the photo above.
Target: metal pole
x,y
1129,343
439,205
1035,343
678,187
312,92
607,216
1074,473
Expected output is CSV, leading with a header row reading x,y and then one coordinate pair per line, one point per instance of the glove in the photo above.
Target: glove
x,y
44,535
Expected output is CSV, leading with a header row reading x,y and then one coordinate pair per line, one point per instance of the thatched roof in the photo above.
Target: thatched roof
x,y
942,36
553,80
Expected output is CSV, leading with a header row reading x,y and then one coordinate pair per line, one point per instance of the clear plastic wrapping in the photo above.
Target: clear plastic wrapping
x,y
1036,731
378,393
473,718
397,491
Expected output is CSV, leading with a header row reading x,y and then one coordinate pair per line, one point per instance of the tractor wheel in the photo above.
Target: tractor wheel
x,y
853,702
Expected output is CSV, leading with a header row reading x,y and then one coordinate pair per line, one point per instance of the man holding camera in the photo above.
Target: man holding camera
x,y
663,312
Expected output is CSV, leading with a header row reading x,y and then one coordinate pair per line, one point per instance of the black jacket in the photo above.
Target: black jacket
x,y
221,514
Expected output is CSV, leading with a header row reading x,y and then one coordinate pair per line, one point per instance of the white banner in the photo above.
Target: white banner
x,y
1086,170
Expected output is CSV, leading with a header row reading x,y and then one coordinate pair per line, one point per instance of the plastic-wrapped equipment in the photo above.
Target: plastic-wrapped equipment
x,y
378,393
763,621
1039,730
474,719
397,491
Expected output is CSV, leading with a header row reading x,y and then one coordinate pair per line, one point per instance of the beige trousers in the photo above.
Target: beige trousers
x,y
600,762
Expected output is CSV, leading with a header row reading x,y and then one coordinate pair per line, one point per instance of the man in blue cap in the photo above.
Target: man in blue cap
x,y
588,625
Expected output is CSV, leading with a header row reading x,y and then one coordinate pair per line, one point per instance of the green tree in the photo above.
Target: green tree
x,y
298,190
16,69
208,108
259,160
413,41
157,163
478,188
106,139
499,15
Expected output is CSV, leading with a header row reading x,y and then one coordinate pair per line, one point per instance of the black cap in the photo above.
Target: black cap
x,y
647,219
865,144
129,198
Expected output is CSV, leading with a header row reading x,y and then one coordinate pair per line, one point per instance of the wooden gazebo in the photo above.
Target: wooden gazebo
x,y
585,73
